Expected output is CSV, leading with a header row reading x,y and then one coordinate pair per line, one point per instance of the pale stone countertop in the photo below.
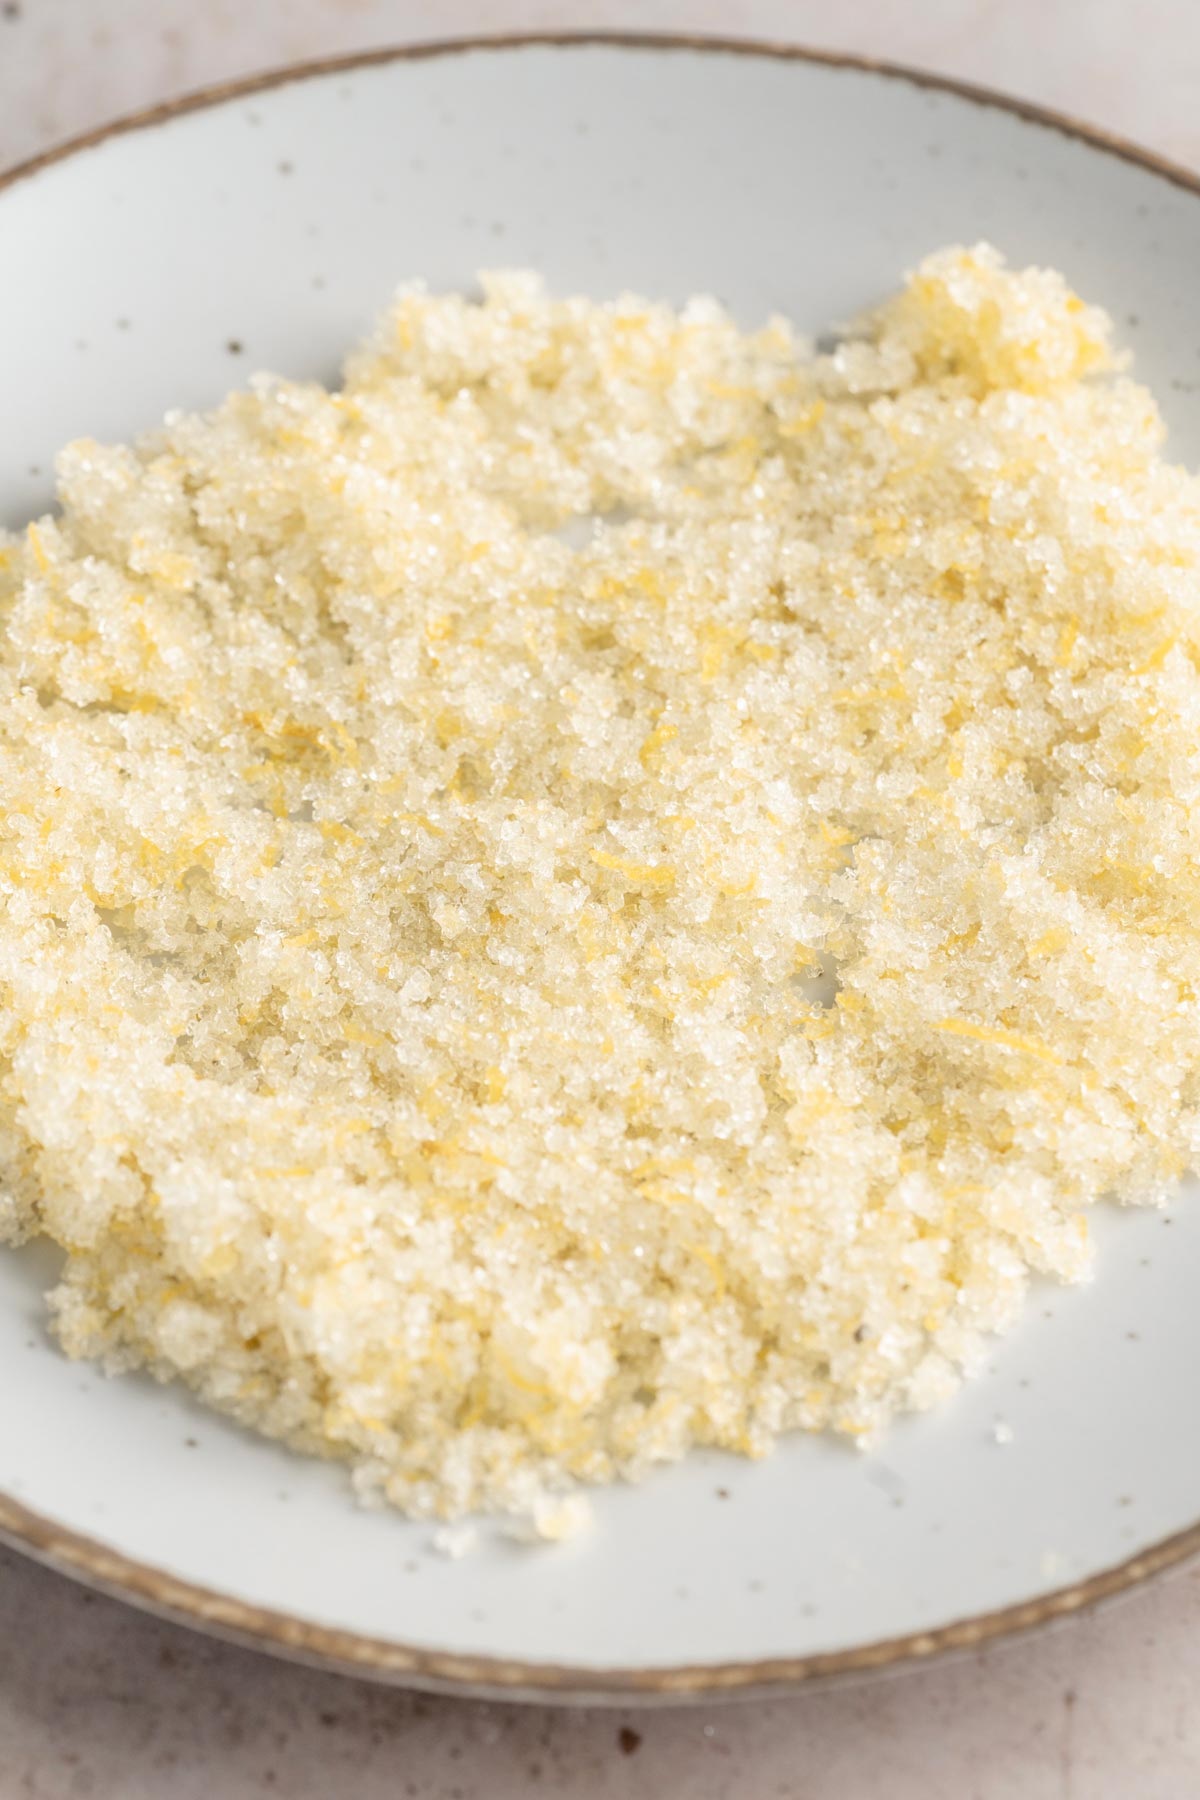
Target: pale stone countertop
x,y
97,1700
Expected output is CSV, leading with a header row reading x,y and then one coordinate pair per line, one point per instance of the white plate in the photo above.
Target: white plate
x,y
278,219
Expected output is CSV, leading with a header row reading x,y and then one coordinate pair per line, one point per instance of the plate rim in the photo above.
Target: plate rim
x,y
156,1590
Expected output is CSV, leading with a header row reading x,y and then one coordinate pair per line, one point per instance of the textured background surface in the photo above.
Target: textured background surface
x,y
96,1700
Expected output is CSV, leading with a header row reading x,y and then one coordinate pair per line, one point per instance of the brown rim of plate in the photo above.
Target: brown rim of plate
x,y
381,1659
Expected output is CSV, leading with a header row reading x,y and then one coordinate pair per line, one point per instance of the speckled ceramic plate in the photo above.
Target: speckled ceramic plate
x,y
156,264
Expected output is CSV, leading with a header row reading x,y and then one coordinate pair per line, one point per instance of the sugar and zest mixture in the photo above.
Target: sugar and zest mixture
x,y
501,1003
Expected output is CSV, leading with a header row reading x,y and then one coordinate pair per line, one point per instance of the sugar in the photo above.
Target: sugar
x,y
501,1003
456,1541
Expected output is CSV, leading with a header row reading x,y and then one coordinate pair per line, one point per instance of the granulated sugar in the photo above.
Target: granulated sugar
x,y
501,1003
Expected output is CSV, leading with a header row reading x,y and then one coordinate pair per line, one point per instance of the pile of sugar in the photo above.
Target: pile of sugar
x,y
609,886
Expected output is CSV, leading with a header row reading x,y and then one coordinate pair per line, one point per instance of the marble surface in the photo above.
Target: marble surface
x,y
98,1700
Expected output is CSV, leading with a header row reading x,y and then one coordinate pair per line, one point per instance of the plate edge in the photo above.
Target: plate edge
x,y
155,1590
244,86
